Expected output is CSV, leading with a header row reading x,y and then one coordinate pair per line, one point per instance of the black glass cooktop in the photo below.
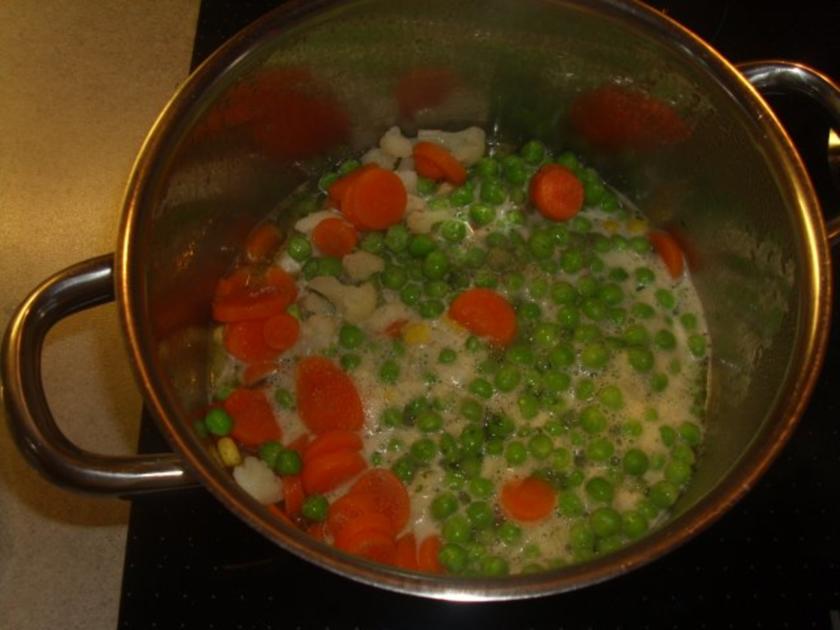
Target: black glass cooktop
x,y
771,562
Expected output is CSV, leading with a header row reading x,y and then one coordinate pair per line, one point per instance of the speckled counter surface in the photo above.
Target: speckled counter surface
x,y
82,82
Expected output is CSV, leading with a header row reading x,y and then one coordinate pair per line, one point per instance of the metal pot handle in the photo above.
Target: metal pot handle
x,y
87,284
788,76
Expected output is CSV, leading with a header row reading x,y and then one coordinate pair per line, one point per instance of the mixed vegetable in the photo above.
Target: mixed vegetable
x,y
459,362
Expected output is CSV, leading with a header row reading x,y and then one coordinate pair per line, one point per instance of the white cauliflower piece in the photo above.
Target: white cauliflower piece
x,y
394,143
387,314
379,157
314,303
406,164
467,146
409,180
257,479
308,223
354,303
316,333
414,203
361,265
422,221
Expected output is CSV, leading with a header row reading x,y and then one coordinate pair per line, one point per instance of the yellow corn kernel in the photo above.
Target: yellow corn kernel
x,y
610,226
416,334
229,452
636,226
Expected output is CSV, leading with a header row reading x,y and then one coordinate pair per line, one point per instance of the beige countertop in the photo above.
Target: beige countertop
x,y
82,82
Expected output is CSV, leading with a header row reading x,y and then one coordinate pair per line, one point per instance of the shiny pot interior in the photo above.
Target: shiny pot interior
x,y
733,189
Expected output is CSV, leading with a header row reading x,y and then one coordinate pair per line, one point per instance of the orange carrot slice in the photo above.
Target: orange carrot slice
x,y
256,372
246,295
332,441
444,162
253,419
326,397
406,552
486,314
293,494
281,331
375,200
368,536
330,470
262,242
348,508
389,494
245,341
395,328
527,500
556,192
427,555
669,251
299,444
339,187
317,531
335,237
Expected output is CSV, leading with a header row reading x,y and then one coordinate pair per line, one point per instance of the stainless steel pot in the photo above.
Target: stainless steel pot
x,y
319,80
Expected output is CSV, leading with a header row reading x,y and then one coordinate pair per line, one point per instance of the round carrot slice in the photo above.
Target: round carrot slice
x,y
245,341
450,168
390,495
332,441
293,494
256,372
326,397
281,331
427,168
262,241
406,553
375,200
348,508
330,470
427,555
339,187
368,536
335,237
486,314
556,192
527,500
246,295
669,251
253,419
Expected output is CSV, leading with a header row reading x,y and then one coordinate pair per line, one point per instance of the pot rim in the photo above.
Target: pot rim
x,y
814,322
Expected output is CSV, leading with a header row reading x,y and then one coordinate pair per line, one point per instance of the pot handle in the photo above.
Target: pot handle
x,y
788,76
82,286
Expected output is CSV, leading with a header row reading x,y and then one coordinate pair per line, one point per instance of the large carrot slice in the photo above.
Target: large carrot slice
x,y
245,340
253,419
246,295
339,187
428,169
299,444
335,237
427,555
450,168
530,499
293,494
406,553
332,441
326,397
262,241
256,372
556,192
281,331
375,200
368,536
330,470
669,251
389,493
348,508
486,314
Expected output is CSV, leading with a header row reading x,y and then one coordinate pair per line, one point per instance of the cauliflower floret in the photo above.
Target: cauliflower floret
x,y
354,303
466,146
361,265
387,314
257,479
422,221
394,143
378,156
308,223
316,333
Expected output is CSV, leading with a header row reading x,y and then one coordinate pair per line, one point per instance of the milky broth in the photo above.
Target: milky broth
x,y
659,410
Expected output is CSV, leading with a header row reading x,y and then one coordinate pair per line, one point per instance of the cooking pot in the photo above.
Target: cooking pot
x,y
667,121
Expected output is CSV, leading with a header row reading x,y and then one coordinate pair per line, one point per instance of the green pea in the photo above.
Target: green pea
x,y
568,316
529,406
555,382
472,410
513,169
269,451
667,435
541,245
540,446
632,428
580,224
514,217
329,266
410,294
424,450
447,356
586,333
664,494
574,478
404,468
299,248
481,214
462,195
453,231
218,422
500,426
492,192
480,514
571,261
691,433
617,274
659,382
426,186
635,462
449,448
678,472
397,238
636,335
431,309
561,459
562,355
285,399
315,507
594,309
481,488
350,336
471,440
697,345
444,505
619,242
647,509
373,243
481,388
475,257
563,292
611,294
634,524
421,245
605,522
640,310
570,504
429,421
529,310
487,167
350,361
470,466
640,244
288,462
327,180
594,356
514,282
611,397
599,489
641,359
393,277
688,321
509,533
457,529
391,417
453,558
389,372
617,315
516,453
507,378
600,450
644,276
533,152
494,566
665,299
665,340
585,389
581,536
593,420
545,334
